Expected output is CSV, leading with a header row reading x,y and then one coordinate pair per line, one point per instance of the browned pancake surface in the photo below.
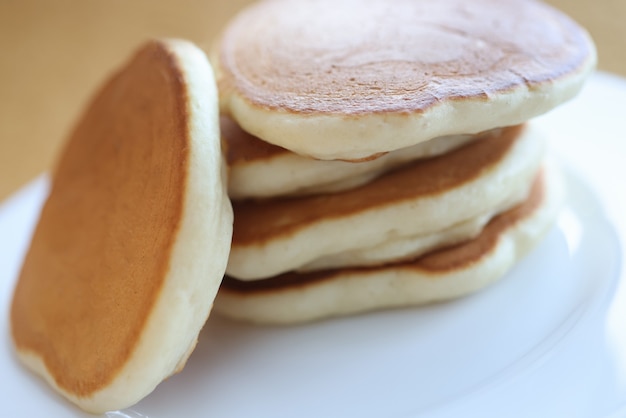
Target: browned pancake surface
x,y
457,257
100,252
371,56
242,147
261,221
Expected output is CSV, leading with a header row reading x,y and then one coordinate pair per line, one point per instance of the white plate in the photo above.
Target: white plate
x,y
548,340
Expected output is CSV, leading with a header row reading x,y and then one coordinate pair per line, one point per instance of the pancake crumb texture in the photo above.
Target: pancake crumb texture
x,y
133,239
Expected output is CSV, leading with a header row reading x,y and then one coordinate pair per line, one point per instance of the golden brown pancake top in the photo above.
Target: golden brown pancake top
x,y
457,257
263,220
373,56
101,249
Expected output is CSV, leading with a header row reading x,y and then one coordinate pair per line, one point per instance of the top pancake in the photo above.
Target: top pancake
x,y
347,79
117,284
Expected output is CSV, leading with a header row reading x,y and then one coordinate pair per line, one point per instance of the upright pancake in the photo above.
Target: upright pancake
x,y
349,79
444,274
277,235
258,169
133,239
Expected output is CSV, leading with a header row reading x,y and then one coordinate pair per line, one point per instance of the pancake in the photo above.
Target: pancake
x,y
444,274
258,169
349,79
133,239
274,236
412,246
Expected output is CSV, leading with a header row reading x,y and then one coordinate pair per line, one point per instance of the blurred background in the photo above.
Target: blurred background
x,y
54,53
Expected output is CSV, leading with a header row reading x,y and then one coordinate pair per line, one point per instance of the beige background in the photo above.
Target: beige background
x,y
55,52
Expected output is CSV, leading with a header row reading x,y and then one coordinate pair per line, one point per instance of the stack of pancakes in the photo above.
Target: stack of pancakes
x,y
380,154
